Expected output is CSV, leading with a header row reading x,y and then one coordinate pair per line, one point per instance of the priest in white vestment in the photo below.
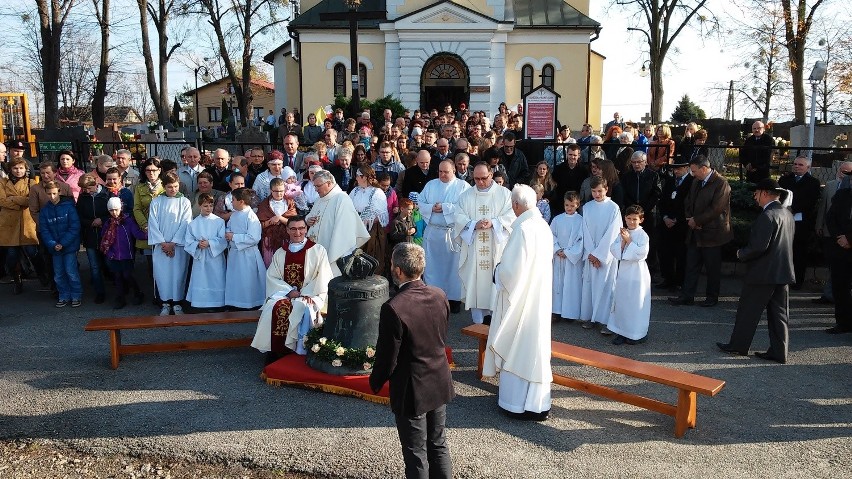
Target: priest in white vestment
x,y
518,344
333,221
483,222
437,204
296,283
205,243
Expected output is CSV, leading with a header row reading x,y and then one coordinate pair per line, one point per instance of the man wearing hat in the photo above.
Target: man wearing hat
x,y
16,150
672,228
769,271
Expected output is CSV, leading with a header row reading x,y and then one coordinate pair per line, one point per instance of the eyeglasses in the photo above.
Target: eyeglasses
x,y
149,170
484,178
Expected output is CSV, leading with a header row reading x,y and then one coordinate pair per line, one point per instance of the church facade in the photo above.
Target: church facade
x,y
429,53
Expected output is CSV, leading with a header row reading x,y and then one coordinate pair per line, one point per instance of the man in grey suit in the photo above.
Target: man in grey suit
x,y
769,262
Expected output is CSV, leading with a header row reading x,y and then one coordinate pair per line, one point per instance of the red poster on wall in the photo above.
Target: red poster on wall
x,y
540,113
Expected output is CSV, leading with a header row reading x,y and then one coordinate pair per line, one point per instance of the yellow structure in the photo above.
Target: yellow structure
x,y
210,98
15,117
429,53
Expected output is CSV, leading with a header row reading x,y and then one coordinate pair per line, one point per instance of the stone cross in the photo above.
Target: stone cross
x,y
161,133
646,120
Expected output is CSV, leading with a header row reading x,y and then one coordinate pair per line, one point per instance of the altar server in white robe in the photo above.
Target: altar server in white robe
x,y
483,222
245,272
296,281
601,226
168,217
631,311
567,229
518,344
205,243
437,204
333,221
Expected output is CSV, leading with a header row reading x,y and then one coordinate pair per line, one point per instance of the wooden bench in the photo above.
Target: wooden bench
x,y
116,325
687,384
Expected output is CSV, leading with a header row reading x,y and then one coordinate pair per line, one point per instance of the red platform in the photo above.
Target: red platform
x,y
291,370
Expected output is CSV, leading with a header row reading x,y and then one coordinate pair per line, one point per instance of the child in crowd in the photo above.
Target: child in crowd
x,y
59,226
631,312
273,213
542,204
168,217
601,226
119,233
403,226
245,281
384,181
500,178
417,219
205,243
568,262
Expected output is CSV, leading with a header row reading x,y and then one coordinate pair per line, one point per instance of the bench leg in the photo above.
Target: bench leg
x,y
481,361
114,345
686,411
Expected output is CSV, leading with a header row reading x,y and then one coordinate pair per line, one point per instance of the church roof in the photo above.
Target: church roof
x,y
311,17
549,14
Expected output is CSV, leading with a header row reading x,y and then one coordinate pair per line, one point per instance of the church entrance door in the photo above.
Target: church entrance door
x,y
445,79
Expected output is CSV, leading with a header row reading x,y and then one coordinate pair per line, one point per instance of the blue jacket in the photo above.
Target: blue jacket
x,y
60,224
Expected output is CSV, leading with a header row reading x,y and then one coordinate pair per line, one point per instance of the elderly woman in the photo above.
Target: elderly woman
x,y
308,188
372,206
594,151
68,173
662,150
17,226
624,152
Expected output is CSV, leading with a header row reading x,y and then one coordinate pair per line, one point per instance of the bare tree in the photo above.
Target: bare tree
x,y
662,22
798,20
833,97
101,10
158,12
240,22
53,15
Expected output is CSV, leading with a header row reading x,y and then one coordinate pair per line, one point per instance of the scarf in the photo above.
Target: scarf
x,y
66,173
152,187
109,234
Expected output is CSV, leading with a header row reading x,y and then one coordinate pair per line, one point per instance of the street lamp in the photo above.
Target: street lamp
x,y
817,74
354,70
206,78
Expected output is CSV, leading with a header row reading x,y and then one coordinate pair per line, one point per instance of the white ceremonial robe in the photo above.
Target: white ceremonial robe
x,y
167,222
207,281
631,311
519,336
339,228
315,286
439,242
567,272
481,250
601,225
246,271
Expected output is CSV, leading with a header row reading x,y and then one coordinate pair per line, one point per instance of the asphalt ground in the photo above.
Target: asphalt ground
x,y
211,407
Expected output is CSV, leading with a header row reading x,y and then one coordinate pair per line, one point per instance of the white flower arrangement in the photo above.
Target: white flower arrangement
x,y
340,351
337,363
370,352
323,340
331,351
315,348
367,366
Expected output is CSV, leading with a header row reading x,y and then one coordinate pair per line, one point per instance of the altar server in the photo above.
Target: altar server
x,y
631,312
483,222
246,272
205,243
168,217
567,229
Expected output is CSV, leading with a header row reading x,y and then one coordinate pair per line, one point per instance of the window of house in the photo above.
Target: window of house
x,y
547,73
362,80
258,112
339,80
526,79
214,114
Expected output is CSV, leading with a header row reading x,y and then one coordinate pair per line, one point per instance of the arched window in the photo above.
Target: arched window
x,y
339,80
526,79
362,80
547,73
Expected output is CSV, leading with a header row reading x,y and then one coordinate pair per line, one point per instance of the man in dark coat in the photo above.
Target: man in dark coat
x,y
756,153
517,168
769,262
708,216
568,175
673,228
411,354
839,223
416,177
806,192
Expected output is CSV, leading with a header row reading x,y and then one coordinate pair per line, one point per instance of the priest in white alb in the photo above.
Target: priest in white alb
x,y
296,291
333,221
518,344
437,204
483,222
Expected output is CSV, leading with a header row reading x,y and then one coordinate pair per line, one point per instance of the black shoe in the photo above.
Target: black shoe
x,y
119,303
730,349
526,415
681,301
709,303
665,284
633,342
18,287
769,357
486,320
99,299
838,330
455,307
822,300
619,339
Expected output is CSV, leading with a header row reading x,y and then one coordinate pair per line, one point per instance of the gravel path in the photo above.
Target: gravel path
x,y
65,413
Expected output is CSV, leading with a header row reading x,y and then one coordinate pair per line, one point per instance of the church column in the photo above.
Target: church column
x,y
497,72
392,72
